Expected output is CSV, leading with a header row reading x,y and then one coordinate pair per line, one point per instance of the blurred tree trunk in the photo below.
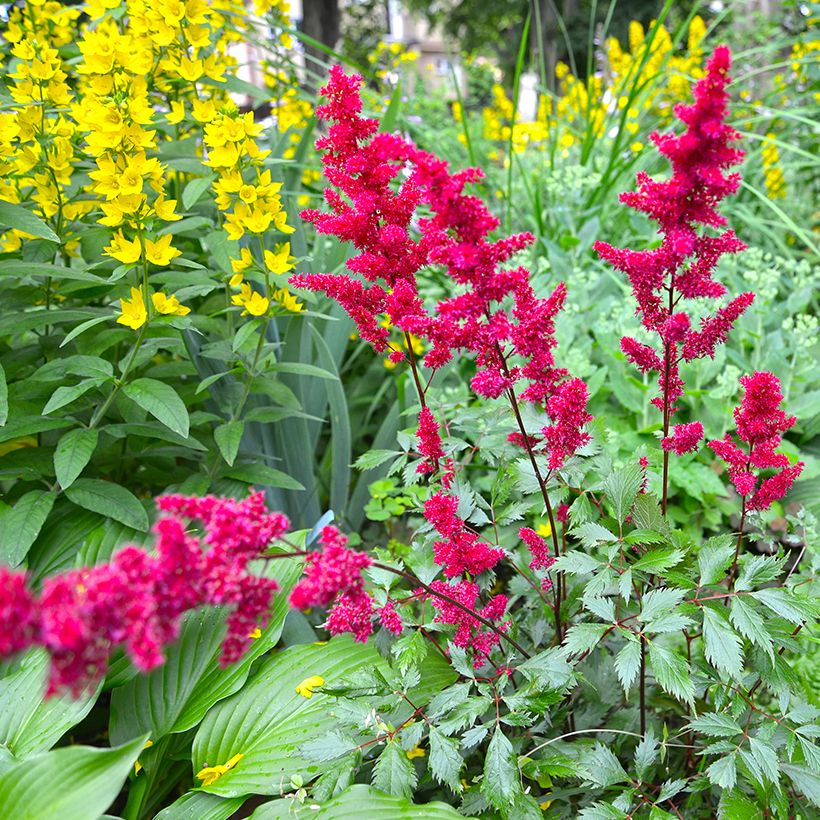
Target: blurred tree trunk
x,y
551,33
320,20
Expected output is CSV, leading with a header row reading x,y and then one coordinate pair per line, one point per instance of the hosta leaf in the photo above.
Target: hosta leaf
x,y
356,803
672,672
267,721
74,451
394,773
175,696
22,524
161,401
201,806
110,500
722,646
628,664
73,783
501,777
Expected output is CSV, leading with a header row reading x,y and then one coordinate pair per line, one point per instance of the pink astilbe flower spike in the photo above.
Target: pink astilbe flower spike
x,y
760,422
685,438
681,267
539,549
137,600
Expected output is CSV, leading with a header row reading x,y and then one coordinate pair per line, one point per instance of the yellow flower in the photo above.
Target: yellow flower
x,y
288,301
137,764
257,305
306,687
168,305
209,774
132,311
160,252
243,263
257,633
122,250
416,751
279,261
164,209
544,530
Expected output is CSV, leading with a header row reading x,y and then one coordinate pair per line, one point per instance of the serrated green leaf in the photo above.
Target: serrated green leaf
x,y
446,762
723,772
621,489
658,602
736,806
805,781
714,559
722,646
750,624
787,605
716,724
4,397
672,672
110,500
583,637
394,773
501,777
592,533
603,768
647,753
659,560
73,452
161,401
628,664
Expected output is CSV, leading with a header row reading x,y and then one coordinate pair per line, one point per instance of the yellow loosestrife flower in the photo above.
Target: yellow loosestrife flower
x,y
306,687
288,301
132,311
210,774
168,305
256,634
123,250
160,252
279,261
416,751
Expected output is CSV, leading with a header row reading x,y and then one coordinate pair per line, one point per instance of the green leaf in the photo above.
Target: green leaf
x,y
758,569
73,783
267,721
194,190
736,806
722,646
716,725
575,562
69,393
4,397
501,778
723,772
628,664
227,437
74,451
583,637
671,672
446,762
786,604
592,533
22,524
82,327
110,500
261,475
621,488
201,806
394,773
660,601
714,559
357,803
805,780
602,811
659,560
647,753
750,624
21,219
603,767
30,723
175,696
161,401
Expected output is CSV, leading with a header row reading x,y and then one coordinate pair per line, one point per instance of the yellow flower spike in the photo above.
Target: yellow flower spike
x,y
132,311
137,764
123,250
256,634
168,305
210,774
306,687
416,751
160,252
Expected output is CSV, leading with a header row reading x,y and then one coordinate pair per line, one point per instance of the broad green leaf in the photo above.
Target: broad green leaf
x,y
29,723
4,397
73,783
260,475
82,327
194,190
502,780
110,500
201,806
161,401
659,560
267,721
175,696
714,559
357,803
394,773
621,488
716,725
22,524
446,761
227,437
722,647
21,219
74,451
69,393
628,664
672,672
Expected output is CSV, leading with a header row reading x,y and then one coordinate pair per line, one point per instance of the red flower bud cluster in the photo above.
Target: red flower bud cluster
x,y
685,438
760,422
681,267
137,599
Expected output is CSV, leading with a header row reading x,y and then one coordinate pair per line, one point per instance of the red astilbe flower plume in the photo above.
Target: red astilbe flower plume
x,y
137,600
681,267
685,438
333,575
760,423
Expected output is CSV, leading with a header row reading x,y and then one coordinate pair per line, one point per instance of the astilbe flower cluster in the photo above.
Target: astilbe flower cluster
x,y
681,267
333,575
137,600
539,549
760,422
